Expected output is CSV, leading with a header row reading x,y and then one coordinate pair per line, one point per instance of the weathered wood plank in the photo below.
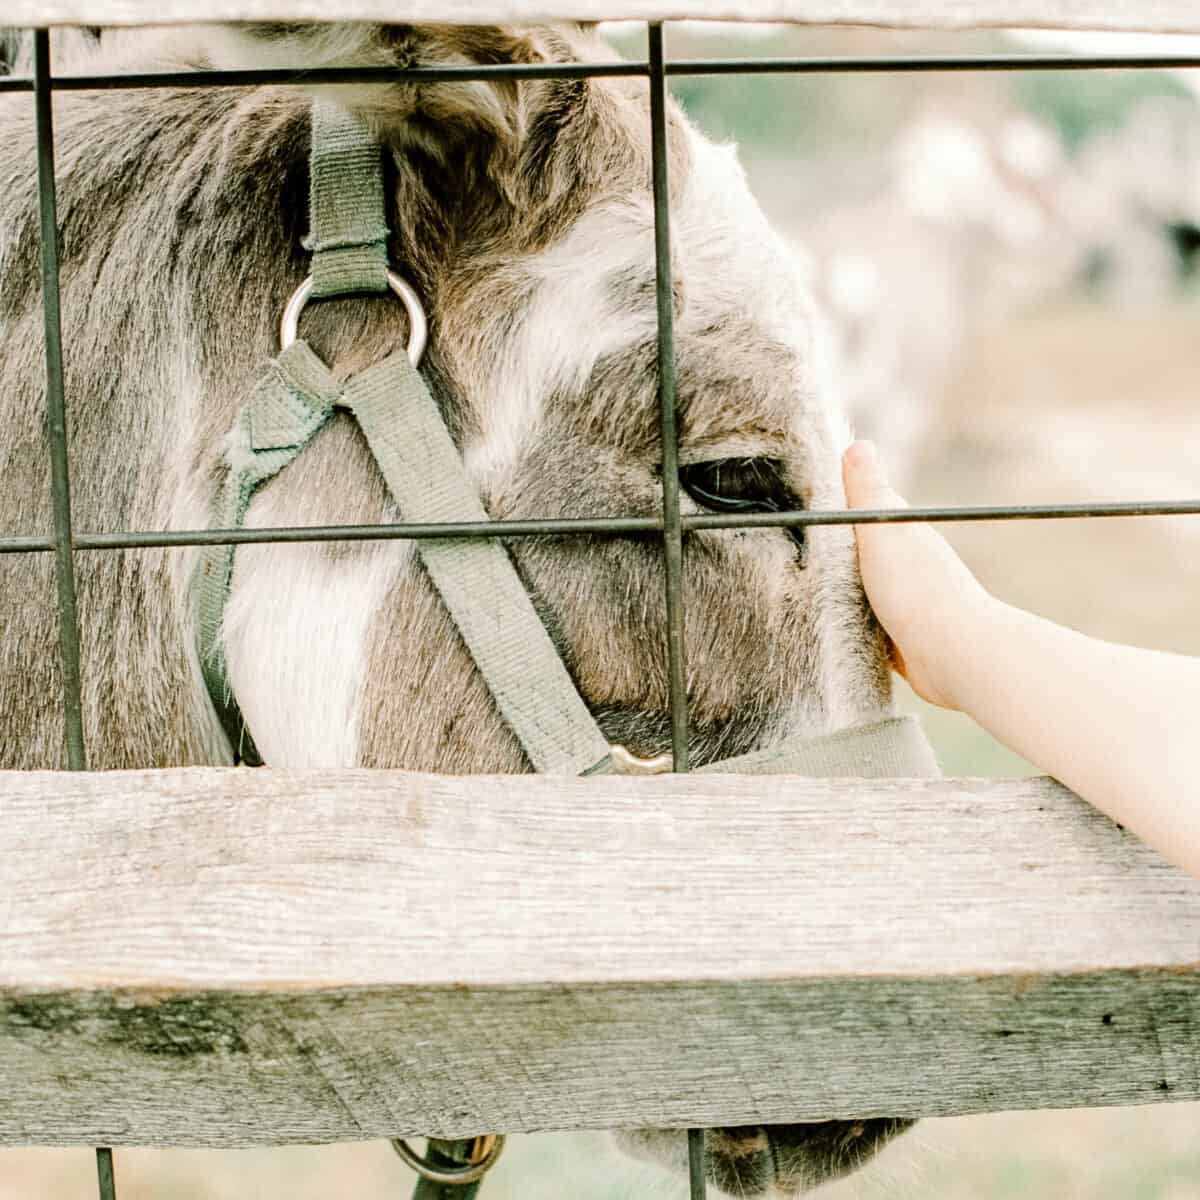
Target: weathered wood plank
x,y
252,957
1150,15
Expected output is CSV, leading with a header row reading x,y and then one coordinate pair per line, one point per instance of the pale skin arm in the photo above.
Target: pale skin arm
x,y
1120,726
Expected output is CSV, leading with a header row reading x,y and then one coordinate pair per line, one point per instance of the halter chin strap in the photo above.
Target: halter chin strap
x,y
295,399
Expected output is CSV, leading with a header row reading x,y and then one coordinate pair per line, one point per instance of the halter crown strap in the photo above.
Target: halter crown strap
x,y
346,206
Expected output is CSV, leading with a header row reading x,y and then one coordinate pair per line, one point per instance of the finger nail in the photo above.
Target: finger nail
x,y
863,454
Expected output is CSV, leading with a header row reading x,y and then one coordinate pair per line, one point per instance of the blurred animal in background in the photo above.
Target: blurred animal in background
x,y
980,217
965,230
1135,197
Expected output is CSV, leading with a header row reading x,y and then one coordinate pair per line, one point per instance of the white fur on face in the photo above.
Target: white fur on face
x,y
727,259
295,637
574,320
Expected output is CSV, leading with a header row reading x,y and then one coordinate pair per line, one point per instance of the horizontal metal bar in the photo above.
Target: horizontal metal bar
x,y
682,67
597,526
939,63
325,75
908,516
337,533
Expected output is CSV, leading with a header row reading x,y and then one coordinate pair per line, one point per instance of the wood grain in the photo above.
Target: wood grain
x,y
1150,15
228,958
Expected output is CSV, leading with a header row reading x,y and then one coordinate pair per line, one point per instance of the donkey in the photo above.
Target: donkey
x,y
522,214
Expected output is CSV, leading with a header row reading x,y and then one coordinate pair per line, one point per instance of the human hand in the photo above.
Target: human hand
x,y
927,601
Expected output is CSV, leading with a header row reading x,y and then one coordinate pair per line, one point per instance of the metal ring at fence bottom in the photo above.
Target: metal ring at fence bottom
x,y
484,1154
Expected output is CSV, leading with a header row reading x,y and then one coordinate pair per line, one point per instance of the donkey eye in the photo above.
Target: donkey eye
x,y
744,485
738,485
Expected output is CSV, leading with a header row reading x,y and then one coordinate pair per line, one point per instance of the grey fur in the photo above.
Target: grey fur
x,y
182,214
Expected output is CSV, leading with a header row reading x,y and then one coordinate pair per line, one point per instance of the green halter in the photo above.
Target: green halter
x,y
295,399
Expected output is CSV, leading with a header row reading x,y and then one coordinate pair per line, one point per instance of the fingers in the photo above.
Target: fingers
x,y
925,598
866,482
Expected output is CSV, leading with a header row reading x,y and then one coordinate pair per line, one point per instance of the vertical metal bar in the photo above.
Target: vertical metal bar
x,y
672,526
455,1155
104,1169
60,470
56,415
673,531
696,1164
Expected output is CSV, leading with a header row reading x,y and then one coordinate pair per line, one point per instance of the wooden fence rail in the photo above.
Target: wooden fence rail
x,y
228,958
1181,16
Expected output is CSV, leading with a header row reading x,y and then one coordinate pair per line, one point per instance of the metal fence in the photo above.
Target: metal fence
x,y
671,525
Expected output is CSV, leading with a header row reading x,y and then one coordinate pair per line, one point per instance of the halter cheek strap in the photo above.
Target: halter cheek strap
x,y
296,398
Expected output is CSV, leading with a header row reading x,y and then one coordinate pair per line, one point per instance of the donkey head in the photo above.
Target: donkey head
x,y
522,214
524,217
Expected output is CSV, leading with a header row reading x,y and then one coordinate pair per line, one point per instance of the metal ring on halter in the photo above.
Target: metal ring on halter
x,y
418,337
484,1153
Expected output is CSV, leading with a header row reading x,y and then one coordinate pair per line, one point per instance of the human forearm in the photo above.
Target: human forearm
x,y
1115,724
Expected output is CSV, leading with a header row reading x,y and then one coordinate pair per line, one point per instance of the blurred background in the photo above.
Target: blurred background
x,y
1010,268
